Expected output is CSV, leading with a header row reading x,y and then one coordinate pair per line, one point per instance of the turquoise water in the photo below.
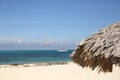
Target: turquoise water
x,y
33,56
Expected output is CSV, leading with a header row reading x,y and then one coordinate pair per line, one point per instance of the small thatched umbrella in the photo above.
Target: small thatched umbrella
x,y
100,50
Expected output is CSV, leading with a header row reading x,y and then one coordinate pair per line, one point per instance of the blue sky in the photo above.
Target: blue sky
x,y
45,24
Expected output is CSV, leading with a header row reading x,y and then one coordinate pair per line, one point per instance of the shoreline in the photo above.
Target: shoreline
x,y
34,64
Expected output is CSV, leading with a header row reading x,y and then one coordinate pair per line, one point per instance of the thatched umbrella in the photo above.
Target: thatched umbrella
x,y
100,50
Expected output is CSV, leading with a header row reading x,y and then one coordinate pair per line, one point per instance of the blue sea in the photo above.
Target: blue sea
x,y
33,56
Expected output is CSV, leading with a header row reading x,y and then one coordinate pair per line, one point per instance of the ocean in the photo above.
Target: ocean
x,y
33,56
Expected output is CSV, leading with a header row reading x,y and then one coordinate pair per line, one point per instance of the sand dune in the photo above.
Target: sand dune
x,y
68,71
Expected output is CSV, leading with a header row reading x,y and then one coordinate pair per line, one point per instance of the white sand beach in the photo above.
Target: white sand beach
x,y
68,71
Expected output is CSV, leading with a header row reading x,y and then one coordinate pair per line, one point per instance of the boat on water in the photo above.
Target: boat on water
x,y
62,50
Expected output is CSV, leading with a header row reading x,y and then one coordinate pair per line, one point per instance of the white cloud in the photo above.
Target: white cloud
x,y
19,41
49,42
10,39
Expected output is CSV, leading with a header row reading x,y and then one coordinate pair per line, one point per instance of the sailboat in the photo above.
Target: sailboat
x,y
62,50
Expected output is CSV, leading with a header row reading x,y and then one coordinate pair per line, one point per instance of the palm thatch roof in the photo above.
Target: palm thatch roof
x,y
100,50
